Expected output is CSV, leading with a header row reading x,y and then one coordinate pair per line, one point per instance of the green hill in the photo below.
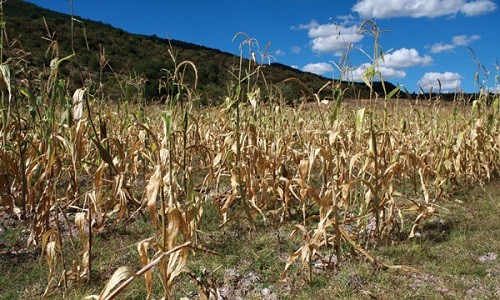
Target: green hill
x,y
32,33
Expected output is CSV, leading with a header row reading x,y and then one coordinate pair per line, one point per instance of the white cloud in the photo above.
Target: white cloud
x,y
279,52
440,47
387,73
421,8
495,89
318,68
331,37
477,8
296,49
346,18
404,58
458,40
392,65
463,40
449,81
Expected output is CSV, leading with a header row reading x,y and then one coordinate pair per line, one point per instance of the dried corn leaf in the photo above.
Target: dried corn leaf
x,y
121,274
152,190
142,248
78,104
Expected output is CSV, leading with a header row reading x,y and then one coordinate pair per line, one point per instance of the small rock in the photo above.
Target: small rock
x,y
266,292
488,257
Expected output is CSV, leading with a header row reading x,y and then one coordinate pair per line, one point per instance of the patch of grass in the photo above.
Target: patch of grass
x,y
23,273
451,254
447,252
16,281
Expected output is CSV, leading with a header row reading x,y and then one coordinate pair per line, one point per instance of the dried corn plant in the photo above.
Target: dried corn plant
x,y
73,163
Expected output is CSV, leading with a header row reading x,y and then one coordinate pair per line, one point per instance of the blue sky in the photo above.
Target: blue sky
x,y
423,40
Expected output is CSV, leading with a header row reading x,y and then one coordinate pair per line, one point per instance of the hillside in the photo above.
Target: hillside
x,y
32,32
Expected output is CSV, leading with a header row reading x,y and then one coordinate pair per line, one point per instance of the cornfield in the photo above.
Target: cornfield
x,y
341,172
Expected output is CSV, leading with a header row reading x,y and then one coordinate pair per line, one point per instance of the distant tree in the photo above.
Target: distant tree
x,y
209,74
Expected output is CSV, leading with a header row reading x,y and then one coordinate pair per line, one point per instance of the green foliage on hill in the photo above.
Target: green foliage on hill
x,y
128,59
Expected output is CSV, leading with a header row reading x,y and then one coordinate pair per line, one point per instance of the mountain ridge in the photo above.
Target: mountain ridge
x,y
140,55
